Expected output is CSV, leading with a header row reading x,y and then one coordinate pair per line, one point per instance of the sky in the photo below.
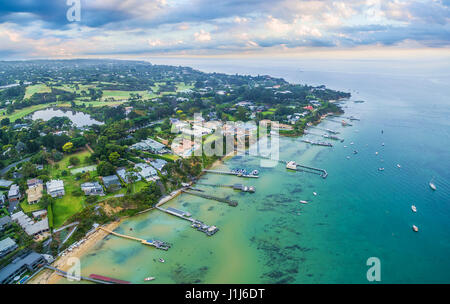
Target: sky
x,y
35,29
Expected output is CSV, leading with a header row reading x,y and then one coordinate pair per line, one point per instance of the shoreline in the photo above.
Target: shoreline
x,y
63,262
49,277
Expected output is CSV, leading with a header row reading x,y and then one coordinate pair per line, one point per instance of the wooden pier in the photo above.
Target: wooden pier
x,y
321,172
240,187
219,199
155,243
196,224
67,276
230,173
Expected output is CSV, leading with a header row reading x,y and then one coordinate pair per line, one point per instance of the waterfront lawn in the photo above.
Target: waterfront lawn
x,y
64,163
68,205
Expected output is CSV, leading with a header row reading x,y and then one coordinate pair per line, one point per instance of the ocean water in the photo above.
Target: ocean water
x,y
358,213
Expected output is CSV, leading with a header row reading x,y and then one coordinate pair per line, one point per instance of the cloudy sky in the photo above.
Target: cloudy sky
x,y
138,28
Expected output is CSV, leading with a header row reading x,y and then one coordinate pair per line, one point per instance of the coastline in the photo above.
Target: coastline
x,y
62,262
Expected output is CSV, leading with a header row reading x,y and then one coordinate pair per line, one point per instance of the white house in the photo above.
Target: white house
x,y
55,188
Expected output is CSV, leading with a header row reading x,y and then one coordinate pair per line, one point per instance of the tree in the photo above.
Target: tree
x,y
74,161
5,121
105,168
67,147
114,157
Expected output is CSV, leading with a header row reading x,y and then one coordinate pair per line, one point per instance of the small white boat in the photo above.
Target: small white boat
x,y
345,146
315,193
413,208
382,144
398,166
149,279
415,228
376,153
432,186
348,157
161,260
303,202
351,143
380,169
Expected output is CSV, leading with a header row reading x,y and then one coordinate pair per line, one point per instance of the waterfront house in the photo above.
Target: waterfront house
x,y
6,246
127,177
111,182
14,194
158,164
92,188
55,188
147,172
28,225
34,193
30,261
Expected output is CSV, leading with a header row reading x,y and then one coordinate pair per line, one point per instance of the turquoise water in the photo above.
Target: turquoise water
x,y
359,212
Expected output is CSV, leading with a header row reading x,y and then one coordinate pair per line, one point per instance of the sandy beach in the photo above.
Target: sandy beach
x,y
50,277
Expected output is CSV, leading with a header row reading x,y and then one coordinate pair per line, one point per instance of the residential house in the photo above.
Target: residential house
x,y
6,246
127,177
28,225
150,145
14,194
158,164
28,262
55,188
39,214
147,172
34,182
111,182
4,222
92,188
34,193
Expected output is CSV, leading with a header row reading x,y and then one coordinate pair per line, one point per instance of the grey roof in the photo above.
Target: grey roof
x,y
6,244
15,265
5,183
125,176
27,224
14,191
5,220
55,185
146,170
111,180
158,164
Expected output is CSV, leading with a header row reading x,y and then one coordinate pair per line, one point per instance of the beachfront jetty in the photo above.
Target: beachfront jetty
x,y
196,224
238,174
211,197
155,243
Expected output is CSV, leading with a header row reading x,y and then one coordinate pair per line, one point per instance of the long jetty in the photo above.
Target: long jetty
x,y
347,123
196,224
240,187
327,130
68,276
322,172
231,173
207,196
155,243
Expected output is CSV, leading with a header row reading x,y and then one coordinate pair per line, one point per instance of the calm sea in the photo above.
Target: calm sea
x,y
358,213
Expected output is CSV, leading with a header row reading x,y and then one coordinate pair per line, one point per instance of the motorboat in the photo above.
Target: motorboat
x,y
149,279
432,186
161,260
315,193
413,208
380,169
398,166
415,228
303,202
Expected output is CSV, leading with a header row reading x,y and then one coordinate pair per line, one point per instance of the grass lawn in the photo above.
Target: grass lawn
x,y
37,88
68,205
22,112
27,208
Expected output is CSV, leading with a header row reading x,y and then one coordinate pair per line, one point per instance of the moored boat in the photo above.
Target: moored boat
x,y
303,202
432,186
415,228
413,208
149,279
161,260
